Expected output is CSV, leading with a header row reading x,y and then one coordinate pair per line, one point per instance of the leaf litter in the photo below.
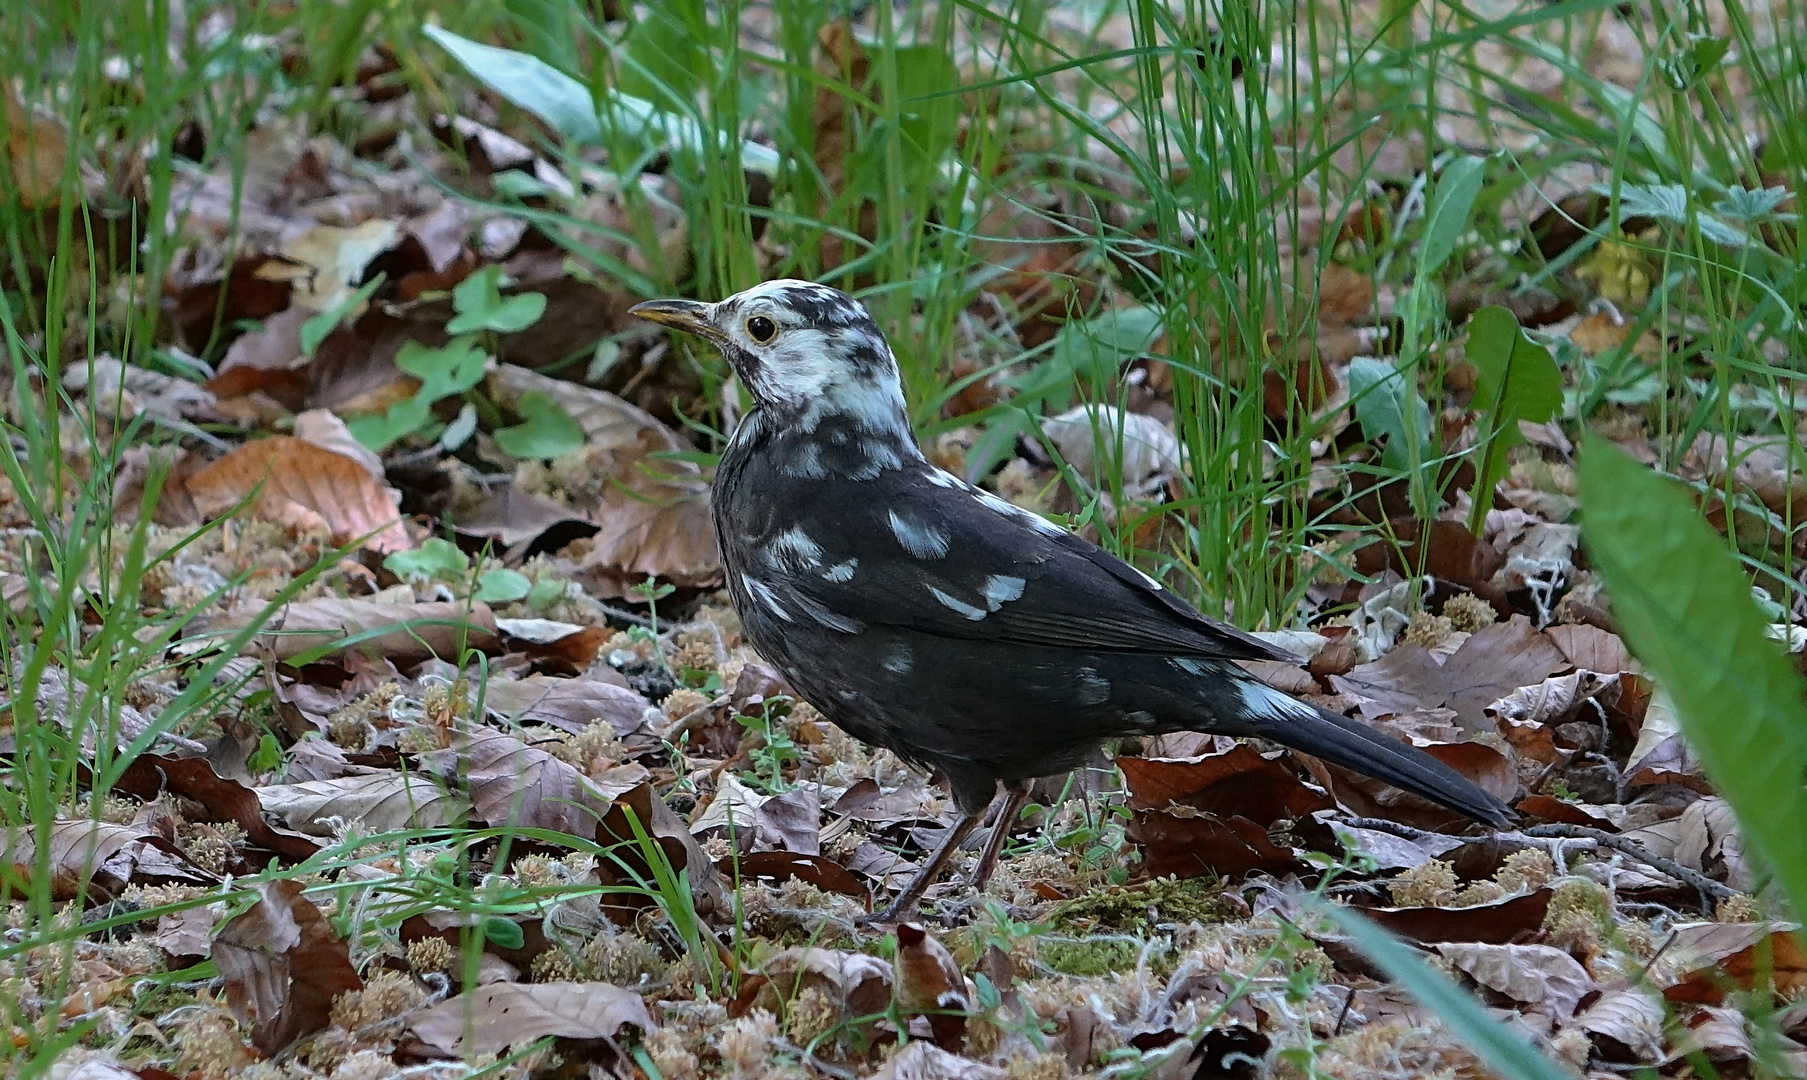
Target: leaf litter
x,y
538,798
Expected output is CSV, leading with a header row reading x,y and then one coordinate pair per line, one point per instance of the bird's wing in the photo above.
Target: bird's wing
x,y
922,550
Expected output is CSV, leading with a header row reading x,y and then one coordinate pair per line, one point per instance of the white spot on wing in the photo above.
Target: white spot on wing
x,y
959,607
897,659
1261,700
842,572
943,478
1093,689
921,539
1188,665
763,595
1010,509
1000,590
792,548
1148,581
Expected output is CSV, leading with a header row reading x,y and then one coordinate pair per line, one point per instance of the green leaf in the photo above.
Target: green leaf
x,y
543,90
480,305
452,368
930,116
505,933
1382,397
1092,350
315,329
546,592
434,560
1452,205
501,586
1684,607
378,430
547,431
267,756
1515,379
1505,1052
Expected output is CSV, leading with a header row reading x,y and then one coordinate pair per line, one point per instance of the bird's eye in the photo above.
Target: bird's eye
x,y
761,329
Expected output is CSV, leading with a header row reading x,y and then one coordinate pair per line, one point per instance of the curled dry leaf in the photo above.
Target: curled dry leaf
x,y
1497,923
652,513
928,983
149,775
377,802
513,784
1625,1026
402,632
856,984
1540,975
926,1061
78,852
306,488
283,966
1716,957
323,262
493,1019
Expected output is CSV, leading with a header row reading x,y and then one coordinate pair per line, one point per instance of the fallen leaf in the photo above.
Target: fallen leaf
x,y
926,1061
1496,923
326,263
79,852
1625,1026
282,966
567,704
401,632
1494,662
777,866
490,1020
220,799
519,786
1540,975
928,982
1721,956
306,488
378,802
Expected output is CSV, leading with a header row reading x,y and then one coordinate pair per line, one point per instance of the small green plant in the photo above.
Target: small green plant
x,y
456,368
440,560
775,750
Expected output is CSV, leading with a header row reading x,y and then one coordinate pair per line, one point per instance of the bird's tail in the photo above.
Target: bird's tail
x,y
1271,714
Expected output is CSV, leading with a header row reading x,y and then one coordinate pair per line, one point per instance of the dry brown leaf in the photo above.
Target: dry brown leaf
x,y
37,151
187,933
1540,975
514,517
928,983
1593,649
1497,923
306,488
1495,661
326,262
567,704
1625,1026
926,1061
855,984
490,1020
112,856
401,632
520,786
1237,781
282,966
220,799
376,802
1721,956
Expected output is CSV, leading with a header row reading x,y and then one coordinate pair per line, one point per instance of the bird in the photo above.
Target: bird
x,y
923,614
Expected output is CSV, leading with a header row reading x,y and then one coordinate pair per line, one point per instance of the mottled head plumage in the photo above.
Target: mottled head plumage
x,y
810,355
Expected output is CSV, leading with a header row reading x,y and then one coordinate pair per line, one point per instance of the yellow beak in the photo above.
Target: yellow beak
x,y
690,316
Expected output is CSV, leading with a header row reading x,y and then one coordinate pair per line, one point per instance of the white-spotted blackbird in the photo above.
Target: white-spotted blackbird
x,y
925,615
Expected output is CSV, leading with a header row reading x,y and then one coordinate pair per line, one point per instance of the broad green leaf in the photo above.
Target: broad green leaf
x,y
480,305
1382,397
929,122
547,430
267,756
1684,607
506,933
452,368
502,585
378,431
1515,379
1091,350
1452,204
1505,1052
435,559
529,82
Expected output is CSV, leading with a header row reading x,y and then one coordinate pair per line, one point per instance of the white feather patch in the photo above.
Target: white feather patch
x,y
922,539
958,606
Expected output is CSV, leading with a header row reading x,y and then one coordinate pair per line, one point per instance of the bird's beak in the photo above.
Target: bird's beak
x,y
690,316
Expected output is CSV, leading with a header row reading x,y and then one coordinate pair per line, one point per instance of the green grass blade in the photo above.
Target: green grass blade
x,y
1503,1050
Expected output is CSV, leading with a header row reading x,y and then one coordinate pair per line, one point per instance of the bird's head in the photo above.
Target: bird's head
x,y
806,352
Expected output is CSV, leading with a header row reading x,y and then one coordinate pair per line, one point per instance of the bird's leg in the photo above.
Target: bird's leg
x,y
905,904
1007,808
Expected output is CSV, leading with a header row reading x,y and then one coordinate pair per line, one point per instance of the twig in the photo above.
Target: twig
x,y
1706,886
692,719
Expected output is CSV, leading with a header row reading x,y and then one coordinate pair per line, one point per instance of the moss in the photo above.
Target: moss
x,y
1140,908
1089,956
